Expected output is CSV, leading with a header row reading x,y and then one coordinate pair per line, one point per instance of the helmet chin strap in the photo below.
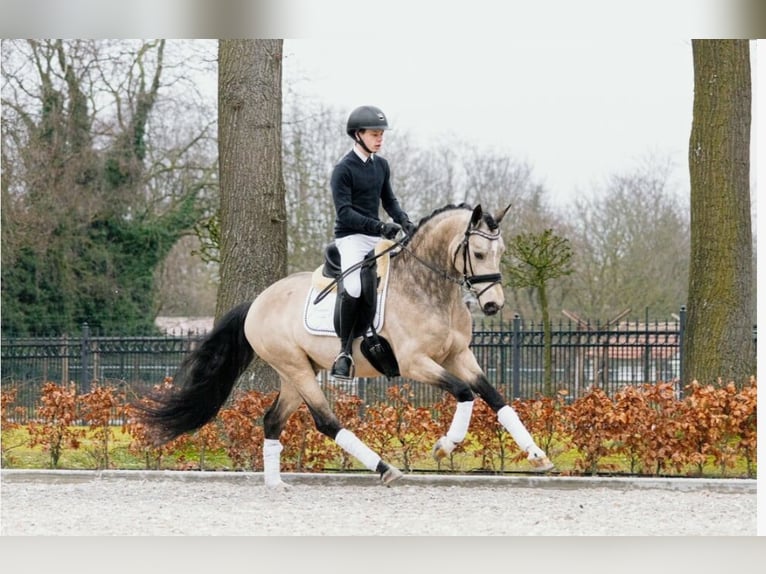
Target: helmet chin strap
x,y
360,141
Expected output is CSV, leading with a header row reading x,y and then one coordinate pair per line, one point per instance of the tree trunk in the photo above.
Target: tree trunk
x,y
719,339
253,246
547,343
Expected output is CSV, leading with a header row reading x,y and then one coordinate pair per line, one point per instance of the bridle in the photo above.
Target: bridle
x,y
469,280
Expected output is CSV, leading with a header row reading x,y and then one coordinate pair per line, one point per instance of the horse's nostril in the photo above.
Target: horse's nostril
x,y
491,308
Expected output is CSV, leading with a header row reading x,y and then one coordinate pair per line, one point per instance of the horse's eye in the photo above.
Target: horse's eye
x,y
479,256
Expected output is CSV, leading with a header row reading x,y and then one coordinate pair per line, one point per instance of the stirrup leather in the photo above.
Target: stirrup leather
x,y
351,367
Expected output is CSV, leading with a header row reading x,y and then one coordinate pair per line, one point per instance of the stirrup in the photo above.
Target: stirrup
x,y
348,374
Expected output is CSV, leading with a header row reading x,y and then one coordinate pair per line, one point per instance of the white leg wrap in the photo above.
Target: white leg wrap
x,y
349,442
271,464
512,423
460,422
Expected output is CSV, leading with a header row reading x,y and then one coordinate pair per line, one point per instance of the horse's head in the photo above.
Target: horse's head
x,y
478,256
474,248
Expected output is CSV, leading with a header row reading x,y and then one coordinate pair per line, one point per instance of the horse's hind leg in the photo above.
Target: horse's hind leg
x,y
274,420
329,425
303,383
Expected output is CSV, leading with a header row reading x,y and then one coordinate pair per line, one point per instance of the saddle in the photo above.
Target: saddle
x,y
330,270
374,275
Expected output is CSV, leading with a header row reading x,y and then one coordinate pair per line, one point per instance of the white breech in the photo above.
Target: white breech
x,y
352,249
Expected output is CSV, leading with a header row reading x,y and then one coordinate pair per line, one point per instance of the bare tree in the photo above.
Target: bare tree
x,y
96,192
631,246
718,338
314,140
424,178
493,179
253,219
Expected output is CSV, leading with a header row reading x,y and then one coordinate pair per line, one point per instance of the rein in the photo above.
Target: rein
x,y
324,292
467,281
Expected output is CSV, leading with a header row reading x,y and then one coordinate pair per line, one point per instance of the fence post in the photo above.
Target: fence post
x,y
85,358
681,360
647,348
516,369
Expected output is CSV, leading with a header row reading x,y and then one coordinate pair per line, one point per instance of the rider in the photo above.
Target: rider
x,y
361,183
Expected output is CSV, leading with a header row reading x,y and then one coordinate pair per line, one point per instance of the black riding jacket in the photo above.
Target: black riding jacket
x,y
358,190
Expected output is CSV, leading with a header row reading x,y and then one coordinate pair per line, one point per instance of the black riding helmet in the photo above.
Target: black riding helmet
x,y
366,118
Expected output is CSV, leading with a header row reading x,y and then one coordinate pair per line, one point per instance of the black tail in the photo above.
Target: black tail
x,y
203,382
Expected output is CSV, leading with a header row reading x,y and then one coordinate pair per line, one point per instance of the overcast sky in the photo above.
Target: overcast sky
x,y
576,110
579,90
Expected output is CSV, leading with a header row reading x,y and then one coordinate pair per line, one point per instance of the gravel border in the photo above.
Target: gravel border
x,y
732,485
182,503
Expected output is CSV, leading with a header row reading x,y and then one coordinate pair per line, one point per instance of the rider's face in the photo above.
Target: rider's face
x,y
373,139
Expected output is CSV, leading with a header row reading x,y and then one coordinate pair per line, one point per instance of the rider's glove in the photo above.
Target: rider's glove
x,y
408,227
389,230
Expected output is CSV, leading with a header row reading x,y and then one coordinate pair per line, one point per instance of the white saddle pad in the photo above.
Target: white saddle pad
x,y
318,319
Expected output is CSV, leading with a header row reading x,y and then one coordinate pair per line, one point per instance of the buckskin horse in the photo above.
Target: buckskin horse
x,y
425,336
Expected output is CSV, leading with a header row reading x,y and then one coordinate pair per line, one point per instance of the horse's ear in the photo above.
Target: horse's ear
x,y
500,214
476,217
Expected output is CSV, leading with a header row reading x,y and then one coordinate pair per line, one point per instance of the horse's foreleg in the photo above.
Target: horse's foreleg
x,y
428,371
464,365
507,416
457,430
461,418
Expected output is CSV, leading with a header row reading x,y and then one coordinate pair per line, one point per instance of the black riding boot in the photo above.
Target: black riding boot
x,y
343,368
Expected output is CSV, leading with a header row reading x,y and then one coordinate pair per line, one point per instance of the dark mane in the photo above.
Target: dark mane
x,y
487,217
440,210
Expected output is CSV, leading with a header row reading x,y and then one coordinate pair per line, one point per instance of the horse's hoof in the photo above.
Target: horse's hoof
x,y
442,448
391,475
539,461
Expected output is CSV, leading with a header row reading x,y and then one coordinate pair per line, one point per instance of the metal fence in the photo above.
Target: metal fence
x,y
511,355
133,365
